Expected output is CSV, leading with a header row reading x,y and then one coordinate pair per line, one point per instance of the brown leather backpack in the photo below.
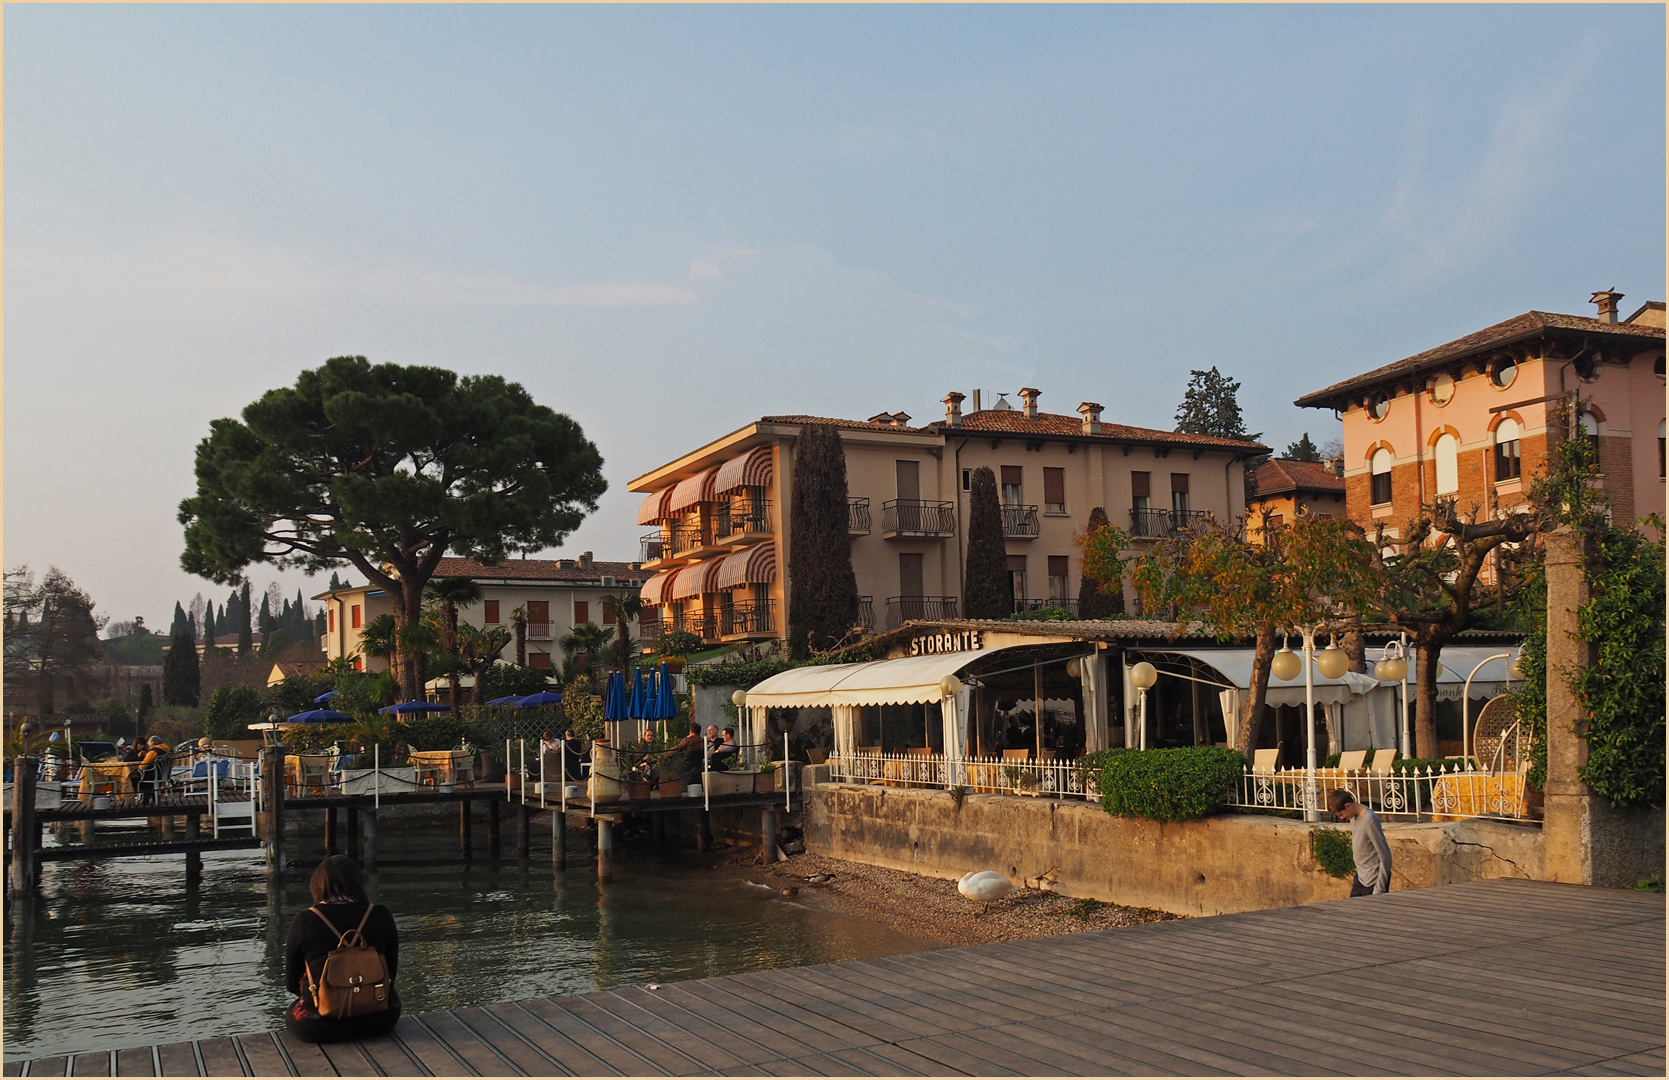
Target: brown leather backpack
x,y
354,979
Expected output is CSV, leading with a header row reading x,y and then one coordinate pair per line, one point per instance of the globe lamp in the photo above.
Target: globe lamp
x,y
739,698
1144,675
1286,665
950,686
1332,662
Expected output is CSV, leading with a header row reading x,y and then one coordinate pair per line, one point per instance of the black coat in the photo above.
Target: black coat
x,y
309,941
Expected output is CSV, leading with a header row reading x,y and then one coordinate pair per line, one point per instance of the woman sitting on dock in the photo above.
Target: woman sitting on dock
x,y
340,905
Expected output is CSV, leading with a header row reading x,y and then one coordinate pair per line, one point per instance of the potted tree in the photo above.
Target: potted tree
x,y
765,780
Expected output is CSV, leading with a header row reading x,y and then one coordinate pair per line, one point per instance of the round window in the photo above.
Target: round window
x,y
1379,406
1504,374
1443,389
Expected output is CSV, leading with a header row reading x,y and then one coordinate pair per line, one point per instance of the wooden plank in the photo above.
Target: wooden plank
x,y
133,1061
390,1058
895,1061
1041,1051
774,1031
348,1059
262,1054
1361,1047
918,1000
479,1057
220,1057
862,1016
13,1068
762,1041
91,1063
714,1046
570,1056
623,1060
668,1056
1139,1036
420,1045
829,1026
509,1042
178,1059
51,1066
306,1059
1504,1000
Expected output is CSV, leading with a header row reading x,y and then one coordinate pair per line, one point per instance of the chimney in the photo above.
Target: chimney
x,y
1091,412
1607,303
900,419
953,409
585,560
976,402
1030,396
1337,465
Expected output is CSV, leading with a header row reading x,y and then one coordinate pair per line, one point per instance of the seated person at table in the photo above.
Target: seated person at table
x,y
341,914
153,768
577,756
128,753
727,745
685,759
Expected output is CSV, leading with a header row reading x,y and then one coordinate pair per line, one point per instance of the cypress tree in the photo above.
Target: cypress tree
x,y
145,703
246,637
182,621
209,628
265,623
987,590
822,589
1095,601
181,678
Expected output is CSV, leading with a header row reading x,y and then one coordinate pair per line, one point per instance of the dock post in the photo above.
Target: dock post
x,y
605,849
493,834
466,843
559,840
272,806
168,826
23,824
330,830
193,859
353,832
768,832
522,815
370,839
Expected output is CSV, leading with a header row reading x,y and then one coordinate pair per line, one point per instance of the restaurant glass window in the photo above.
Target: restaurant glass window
x,y
1054,491
1013,488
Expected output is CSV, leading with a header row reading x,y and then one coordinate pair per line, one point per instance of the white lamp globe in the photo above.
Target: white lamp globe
x,y
739,698
1074,668
1391,669
1332,662
1286,665
1516,670
950,686
1144,675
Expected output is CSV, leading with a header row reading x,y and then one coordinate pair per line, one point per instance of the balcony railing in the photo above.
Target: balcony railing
x,y
917,517
1159,523
902,609
741,517
747,618
857,516
1020,521
539,631
650,546
650,627
866,610
703,625
1038,604
683,537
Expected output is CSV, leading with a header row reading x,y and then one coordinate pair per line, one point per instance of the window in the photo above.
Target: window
x,y
491,612
911,579
1011,493
1507,464
1141,489
332,613
539,611
1054,491
967,479
1017,576
909,480
356,620
1380,469
608,615
1503,374
1378,406
1179,493
539,660
1448,464
1442,389
582,612
359,663
1277,520
1058,577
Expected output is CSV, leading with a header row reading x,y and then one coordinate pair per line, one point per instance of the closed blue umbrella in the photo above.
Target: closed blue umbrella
x,y
326,696
319,716
637,704
614,698
411,708
534,701
665,706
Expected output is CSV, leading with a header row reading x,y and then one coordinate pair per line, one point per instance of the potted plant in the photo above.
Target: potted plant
x,y
1020,781
765,780
674,788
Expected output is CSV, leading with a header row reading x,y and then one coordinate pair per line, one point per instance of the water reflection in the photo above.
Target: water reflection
x,y
121,952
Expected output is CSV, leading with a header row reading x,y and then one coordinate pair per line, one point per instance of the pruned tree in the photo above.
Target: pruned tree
x,y
987,589
386,468
478,651
1101,589
822,587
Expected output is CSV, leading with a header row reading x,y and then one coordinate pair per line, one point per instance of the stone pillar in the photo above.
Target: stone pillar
x,y
768,834
330,830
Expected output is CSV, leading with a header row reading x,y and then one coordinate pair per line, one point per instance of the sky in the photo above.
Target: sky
x,y
669,221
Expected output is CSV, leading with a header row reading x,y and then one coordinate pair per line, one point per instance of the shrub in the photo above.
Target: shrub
x,y
176,724
503,680
743,673
1169,785
1333,852
436,731
1043,614
231,708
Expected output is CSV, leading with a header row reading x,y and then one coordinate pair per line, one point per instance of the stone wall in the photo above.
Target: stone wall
x,y
1210,867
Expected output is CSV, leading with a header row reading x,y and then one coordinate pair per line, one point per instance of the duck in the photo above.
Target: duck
x,y
985,886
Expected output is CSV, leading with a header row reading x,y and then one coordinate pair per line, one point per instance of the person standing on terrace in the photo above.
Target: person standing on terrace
x,y
1367,843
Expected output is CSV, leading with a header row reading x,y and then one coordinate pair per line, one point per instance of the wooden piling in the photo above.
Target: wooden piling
x,y
523,817
330,830
704,830
466,842
559,840
272,806
493,832
605,849
768,833
24,843
657,824
193,859
370,860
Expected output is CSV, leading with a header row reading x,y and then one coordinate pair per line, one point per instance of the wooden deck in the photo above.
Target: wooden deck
x,y
1484,978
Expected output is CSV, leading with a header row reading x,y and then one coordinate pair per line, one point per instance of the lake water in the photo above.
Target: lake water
x,y
118,952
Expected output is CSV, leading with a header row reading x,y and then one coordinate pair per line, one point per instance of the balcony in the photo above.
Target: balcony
x,y
1020,522
917,517
742,519
903,609
857,517
539,631
703,624
1156,524
650,546
649,628
1024,604
747,618
866,610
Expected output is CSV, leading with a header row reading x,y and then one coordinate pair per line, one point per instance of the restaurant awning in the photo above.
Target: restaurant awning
x,y
1235,665
904,681
752,469
756,565
654,509
696,579
697,489
655,590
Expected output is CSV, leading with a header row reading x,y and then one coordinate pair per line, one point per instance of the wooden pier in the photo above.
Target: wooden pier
x,y
1484,978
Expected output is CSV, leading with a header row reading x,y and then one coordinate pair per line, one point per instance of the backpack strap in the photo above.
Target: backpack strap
x,y
329,925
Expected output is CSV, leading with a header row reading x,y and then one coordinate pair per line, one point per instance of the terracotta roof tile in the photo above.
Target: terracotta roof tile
x,y
1281,475
1015,421
859,425
539,570
1529,325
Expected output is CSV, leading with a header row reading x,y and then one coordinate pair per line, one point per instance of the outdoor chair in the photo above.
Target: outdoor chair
x,y
156,778
1017,755
1352,760
1263,761
1382,760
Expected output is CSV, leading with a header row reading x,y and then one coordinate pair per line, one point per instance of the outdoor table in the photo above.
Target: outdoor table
x,y
113,778
436,767
307,772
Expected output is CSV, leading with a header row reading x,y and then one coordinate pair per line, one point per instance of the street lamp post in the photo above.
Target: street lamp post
x,y
1332,662
1393,668
1142,677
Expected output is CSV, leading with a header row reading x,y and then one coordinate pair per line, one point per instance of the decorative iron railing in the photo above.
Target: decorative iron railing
x,y
740,517
1153,524
918,517
1020,521
866,612
976,773
902,609
650,546
746,617
857,515
1033,604
1440,791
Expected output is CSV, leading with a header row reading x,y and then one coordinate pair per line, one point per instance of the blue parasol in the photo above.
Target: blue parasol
x,y
406,708
508,699
534,701
637,703
326,696
666,707
614,698
319,716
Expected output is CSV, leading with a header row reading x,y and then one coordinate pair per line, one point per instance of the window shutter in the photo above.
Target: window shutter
x,y
1017,563
1011,475
1057,566
1141,485
1054,486
1179,482
491,615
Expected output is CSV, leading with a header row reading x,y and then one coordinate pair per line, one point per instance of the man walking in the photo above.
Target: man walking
x,y
1367,844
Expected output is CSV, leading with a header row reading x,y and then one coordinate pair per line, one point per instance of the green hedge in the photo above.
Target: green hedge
x,y
1168,785
1333,852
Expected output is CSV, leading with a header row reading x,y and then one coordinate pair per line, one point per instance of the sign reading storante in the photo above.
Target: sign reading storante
x,y
949,642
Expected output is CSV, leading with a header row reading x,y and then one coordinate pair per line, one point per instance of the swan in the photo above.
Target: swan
x,y
984,886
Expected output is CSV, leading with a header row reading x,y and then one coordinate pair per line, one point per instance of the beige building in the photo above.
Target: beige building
x,y
557,595
719,545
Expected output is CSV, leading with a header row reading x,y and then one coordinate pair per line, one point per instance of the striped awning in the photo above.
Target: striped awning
x,y
697,578
756,565
752,469
655,590
697,489
654,511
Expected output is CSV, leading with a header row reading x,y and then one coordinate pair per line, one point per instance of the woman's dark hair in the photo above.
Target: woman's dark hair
x,y
337,878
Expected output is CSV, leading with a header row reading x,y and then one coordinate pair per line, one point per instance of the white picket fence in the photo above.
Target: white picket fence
x,y
975,773
1451,791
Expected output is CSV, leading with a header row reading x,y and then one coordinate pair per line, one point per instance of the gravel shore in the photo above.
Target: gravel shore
x,y
928,907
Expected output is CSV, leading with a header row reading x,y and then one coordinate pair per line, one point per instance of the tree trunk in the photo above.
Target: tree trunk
x,y
1251,711
1425,698
407,613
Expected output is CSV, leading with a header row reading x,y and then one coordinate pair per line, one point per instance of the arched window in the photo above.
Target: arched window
x,y
1507,464
1379,467
1448,464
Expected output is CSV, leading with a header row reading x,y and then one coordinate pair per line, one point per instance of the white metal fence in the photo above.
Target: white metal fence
x,y
980,774
1440,791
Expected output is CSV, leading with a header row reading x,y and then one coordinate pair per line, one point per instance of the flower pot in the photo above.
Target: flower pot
x,y
766,782
638,789
672,789
728,783
693,791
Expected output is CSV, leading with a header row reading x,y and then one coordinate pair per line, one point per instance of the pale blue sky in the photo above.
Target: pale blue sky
x,y
668,221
